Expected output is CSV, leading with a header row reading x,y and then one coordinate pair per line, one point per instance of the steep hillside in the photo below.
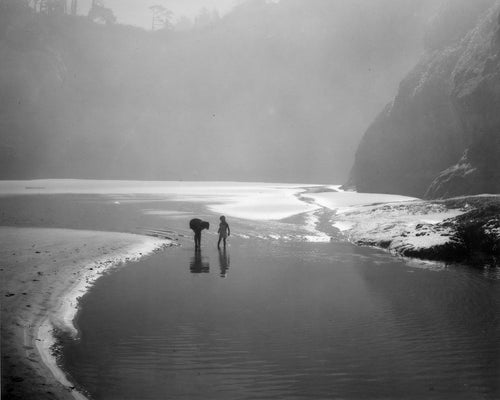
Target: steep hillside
x,y
273,91
440,137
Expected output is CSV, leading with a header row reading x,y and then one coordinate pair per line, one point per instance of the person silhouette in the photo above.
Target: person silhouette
x,y
197,225
223,231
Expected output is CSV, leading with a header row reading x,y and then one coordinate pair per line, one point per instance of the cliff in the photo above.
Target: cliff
x,y
440,137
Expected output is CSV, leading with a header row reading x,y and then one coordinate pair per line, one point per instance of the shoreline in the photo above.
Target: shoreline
x,y
45,271
459,230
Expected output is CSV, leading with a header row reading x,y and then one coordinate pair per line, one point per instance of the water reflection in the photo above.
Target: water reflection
x,y
296,321
224,262
437,313
199,264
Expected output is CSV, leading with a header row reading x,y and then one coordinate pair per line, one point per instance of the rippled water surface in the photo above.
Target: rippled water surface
x,y
275,317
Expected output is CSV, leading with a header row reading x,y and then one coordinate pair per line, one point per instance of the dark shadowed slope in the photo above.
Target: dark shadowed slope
x,y
440,135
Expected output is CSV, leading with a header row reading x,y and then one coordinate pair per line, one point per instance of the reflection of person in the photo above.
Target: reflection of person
x,y
223,231
197,265
223,262
197,225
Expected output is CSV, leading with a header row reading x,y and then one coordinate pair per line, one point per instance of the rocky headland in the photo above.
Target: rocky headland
x,y
458,230
439,139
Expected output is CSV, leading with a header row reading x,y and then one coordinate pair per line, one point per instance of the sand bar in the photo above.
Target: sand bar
x,y
44,271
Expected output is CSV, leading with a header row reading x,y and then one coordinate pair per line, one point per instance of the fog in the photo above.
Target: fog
x,y
138,13
270,91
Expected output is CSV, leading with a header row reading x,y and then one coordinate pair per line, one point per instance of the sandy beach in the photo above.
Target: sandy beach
x,y
44,271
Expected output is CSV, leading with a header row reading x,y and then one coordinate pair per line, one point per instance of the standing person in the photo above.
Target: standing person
x,y
223,231
197,225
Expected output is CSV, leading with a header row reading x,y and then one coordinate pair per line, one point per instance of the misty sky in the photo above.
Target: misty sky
x,y
278,93
136,12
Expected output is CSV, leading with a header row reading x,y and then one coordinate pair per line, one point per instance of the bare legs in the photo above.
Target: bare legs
x,y
221,238
197,240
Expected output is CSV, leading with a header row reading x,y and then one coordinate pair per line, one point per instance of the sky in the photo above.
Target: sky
x,y
136,12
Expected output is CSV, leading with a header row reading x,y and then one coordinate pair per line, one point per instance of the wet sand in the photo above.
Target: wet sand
x,y
43,271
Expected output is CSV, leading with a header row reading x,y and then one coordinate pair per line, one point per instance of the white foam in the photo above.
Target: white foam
x,y
316,235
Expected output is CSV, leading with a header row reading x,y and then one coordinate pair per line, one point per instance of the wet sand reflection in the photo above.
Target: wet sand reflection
x,y
224,262
199,264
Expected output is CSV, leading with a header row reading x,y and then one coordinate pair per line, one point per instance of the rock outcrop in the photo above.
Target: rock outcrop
x,y
440,137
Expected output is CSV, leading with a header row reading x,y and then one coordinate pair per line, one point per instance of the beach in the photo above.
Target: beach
x,y
58,237
44,270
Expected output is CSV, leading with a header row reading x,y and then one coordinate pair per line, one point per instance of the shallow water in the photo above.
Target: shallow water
x,y
277,317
